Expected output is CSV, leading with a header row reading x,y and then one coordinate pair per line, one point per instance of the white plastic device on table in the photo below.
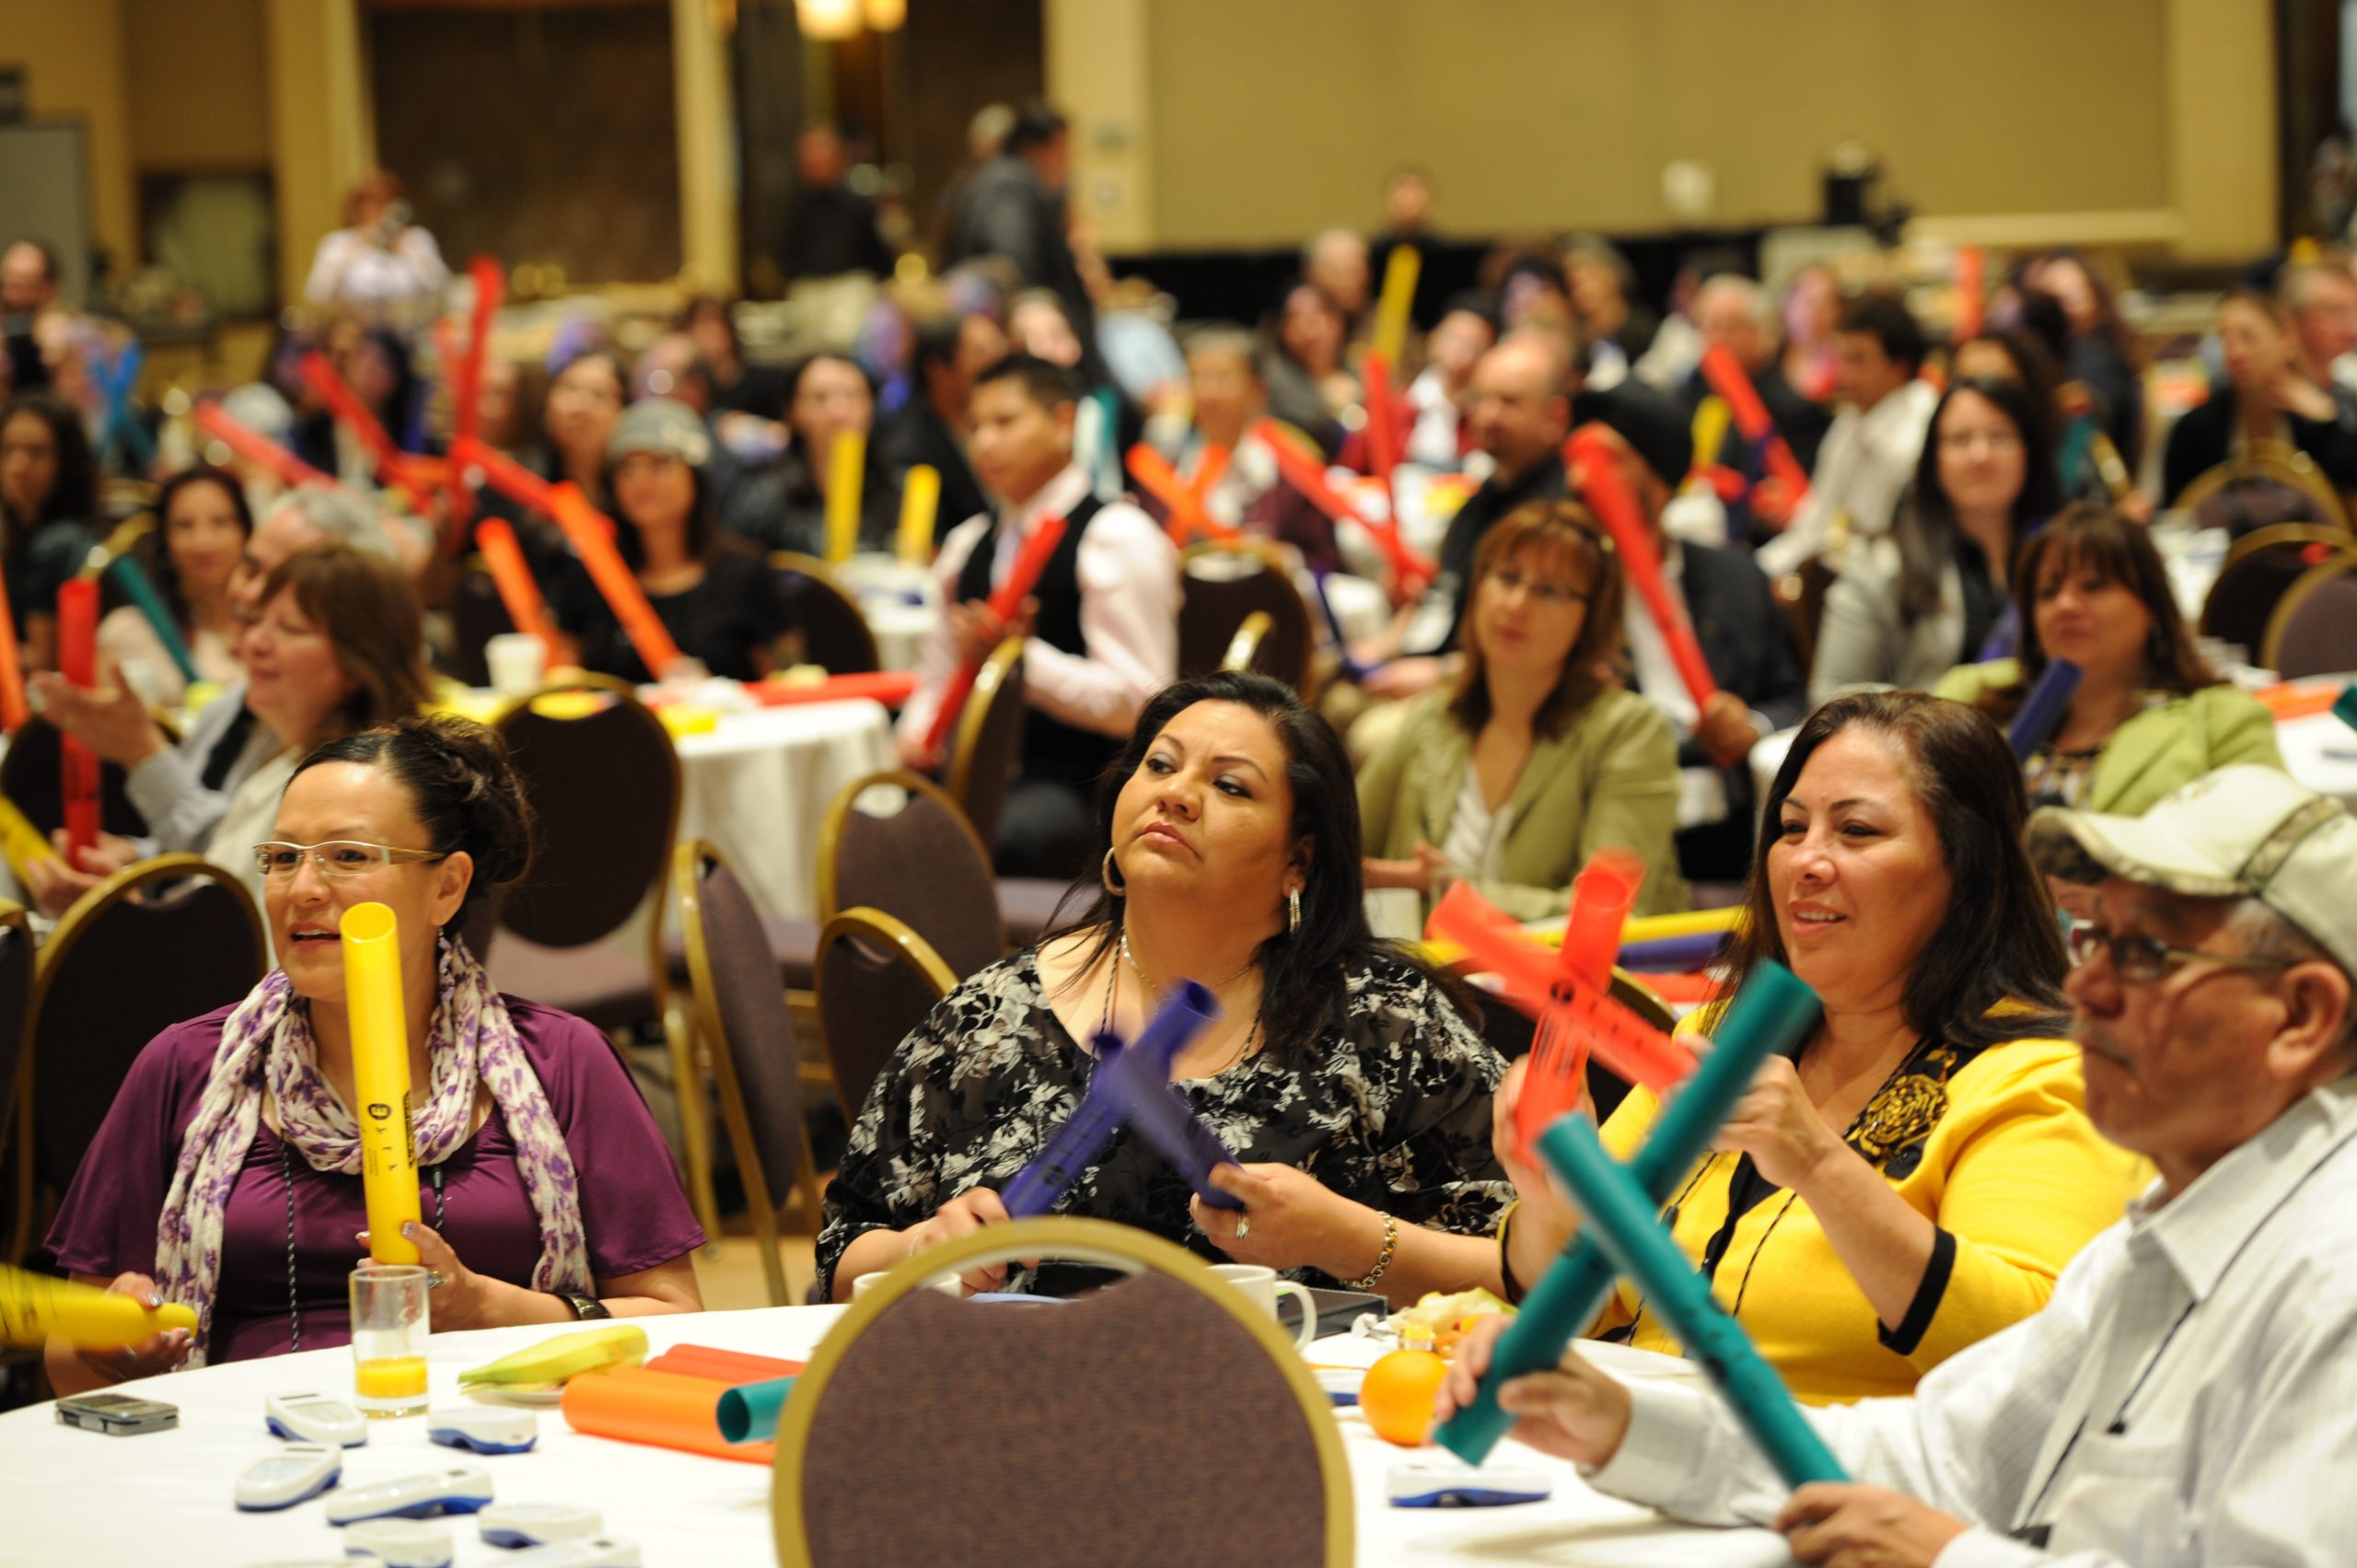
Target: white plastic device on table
x,y
298,1471
536,1524
460,1489
403,1543
589,1552
315,1418
482,1429
1440,1482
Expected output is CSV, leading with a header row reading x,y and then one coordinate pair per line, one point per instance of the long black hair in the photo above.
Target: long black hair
x,y
73,497
1999,942
1925,532
1304,973
158,547
461,783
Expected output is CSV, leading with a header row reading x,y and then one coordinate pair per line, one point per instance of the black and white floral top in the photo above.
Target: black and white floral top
x,y
1390,1107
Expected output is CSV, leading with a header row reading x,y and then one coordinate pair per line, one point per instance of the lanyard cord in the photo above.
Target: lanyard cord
x,y
287,1173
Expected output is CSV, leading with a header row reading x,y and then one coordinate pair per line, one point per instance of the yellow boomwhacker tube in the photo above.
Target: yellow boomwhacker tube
x,y
1645,928
372,1000
846,467
920,500
1398,298
35,1309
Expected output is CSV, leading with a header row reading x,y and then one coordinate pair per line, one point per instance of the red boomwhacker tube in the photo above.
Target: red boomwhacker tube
x,y
721,1365
512,576
893,687
1602,895
1382,422
490,286
1409,571
505,475
592,536
392,463
1005,600
257,448
77,660
1727,378
1596,471
1158,479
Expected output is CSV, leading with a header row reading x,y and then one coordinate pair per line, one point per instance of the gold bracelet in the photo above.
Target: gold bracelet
x,y
1390,1244
1513,1292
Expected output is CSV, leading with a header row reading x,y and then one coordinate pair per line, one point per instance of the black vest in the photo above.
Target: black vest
x,y
1052,748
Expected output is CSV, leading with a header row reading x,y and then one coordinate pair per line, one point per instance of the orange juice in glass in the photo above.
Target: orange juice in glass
x,y
389,1323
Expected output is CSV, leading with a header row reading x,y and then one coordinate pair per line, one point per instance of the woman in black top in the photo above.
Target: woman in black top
x,y
721,605
47,503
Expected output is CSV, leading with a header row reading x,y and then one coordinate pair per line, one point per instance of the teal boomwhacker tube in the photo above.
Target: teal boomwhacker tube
x,y
749,1411
1770,1015
143,593
2345,707
1621,1215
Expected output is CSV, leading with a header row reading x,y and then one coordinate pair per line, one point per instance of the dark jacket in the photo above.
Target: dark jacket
x,y
1005,210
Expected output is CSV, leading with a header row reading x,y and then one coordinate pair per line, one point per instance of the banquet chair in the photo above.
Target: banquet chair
x,y
2259,571
189,931
16,1006
2266,484
2314,629
1200,1439
1244,648
895,842
1802,593
983,758
748,1032
877,980
1224,587
603,782
32,775
477,615
830,628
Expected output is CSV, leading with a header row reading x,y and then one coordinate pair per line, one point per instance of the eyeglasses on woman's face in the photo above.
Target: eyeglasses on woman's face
x,y
1543,590
336,857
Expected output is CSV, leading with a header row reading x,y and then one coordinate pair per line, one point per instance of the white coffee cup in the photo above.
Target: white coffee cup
x,y
1264,1286
517,660
946,1283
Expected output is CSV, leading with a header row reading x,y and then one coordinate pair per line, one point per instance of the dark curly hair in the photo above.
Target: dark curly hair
x,y
462,785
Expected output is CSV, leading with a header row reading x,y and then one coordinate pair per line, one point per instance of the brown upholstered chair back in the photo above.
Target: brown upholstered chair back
x,y
828,623
988,745
2259,571
15,1005
477,615
32,774
2313,629
740,1010
1223,588
606,788
121,968
877,980
1155,1422
895,842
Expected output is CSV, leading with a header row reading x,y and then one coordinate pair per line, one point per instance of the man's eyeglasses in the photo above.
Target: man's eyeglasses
x,y
2143,959
337,857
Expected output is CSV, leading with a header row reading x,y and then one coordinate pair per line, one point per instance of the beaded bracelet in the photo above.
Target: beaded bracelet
x,y
1390,1244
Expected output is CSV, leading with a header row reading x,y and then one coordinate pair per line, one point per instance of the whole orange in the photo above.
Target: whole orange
x,y
1396,1395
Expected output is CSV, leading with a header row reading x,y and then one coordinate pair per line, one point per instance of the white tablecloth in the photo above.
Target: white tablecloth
x,y
164,1498
759,787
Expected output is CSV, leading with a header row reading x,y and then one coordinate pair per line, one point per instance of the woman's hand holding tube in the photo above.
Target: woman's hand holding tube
x,y
77,1371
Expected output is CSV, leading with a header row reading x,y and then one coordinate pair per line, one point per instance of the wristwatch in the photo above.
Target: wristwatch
x,y
588,1309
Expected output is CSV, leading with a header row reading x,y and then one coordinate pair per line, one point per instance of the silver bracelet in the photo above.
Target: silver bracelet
x,y
1390,1245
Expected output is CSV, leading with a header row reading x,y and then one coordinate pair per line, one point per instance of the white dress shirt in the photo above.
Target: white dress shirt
x,y
1128,614
1867,463
351,268
2188,1399
1432,440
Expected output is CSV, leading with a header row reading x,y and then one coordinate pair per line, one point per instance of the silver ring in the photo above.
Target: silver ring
x,y
434,1280
1243,1227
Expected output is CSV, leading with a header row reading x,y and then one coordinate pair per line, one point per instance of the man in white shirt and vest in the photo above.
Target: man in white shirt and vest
x,y
2189,1397
1100,630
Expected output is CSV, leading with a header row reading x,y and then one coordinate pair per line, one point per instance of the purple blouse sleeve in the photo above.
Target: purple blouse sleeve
x,y
106,1224
633,1210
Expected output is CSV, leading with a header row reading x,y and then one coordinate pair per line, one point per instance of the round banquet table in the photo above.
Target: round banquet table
x,y
758,785
166,1497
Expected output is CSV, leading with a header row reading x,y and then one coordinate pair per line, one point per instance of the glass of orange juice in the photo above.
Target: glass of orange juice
x,y
389,1328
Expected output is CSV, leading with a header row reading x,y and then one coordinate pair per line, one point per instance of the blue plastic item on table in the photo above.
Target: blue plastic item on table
x,y
1678,955
2043,709
1770,1015
1619,1213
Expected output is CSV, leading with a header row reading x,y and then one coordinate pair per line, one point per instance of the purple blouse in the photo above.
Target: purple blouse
x,y
632,1209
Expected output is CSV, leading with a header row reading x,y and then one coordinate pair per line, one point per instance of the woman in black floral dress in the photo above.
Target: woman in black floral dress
x,y
1341,1073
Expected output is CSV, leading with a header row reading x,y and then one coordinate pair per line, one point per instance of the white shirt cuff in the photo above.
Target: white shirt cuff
x,y
1987,1549
1655,1463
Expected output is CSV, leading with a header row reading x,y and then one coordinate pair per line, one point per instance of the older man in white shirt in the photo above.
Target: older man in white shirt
x,y
1100,630
1869,454
2189,1398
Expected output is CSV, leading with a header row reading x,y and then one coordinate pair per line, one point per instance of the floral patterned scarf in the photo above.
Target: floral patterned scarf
x,y
268,1040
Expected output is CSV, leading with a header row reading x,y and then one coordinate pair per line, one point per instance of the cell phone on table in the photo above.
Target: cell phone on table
x,y
117,1415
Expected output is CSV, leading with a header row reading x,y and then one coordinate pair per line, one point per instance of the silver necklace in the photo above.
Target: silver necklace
x,y
1145,989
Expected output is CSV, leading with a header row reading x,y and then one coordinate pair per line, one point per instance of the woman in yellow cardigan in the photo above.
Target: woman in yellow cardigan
x,y
1917,1178
1532,759
2150,714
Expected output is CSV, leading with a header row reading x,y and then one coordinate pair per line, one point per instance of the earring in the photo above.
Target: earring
x,y
1293,910
1105,875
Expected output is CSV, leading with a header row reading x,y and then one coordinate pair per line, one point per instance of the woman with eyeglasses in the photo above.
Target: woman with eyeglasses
x,y
227,1175
1535,757
1910,606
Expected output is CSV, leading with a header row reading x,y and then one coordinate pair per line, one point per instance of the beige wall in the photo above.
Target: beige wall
x,y
1263,122
72,52
199,84
322,131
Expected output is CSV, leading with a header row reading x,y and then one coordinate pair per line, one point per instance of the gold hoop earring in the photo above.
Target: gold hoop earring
x,y
1293,910
1105,875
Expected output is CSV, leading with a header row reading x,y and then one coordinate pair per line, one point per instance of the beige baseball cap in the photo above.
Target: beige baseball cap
x,y
2246,831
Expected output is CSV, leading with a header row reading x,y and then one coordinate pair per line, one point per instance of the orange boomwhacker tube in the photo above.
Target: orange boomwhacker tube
x,y
593,540
513,576
1727,378
638,1404
392,464
893,687
1970,263
257,448
1021,579
1158,479
13,709
1596,471
490,283
723,1365
1409,571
